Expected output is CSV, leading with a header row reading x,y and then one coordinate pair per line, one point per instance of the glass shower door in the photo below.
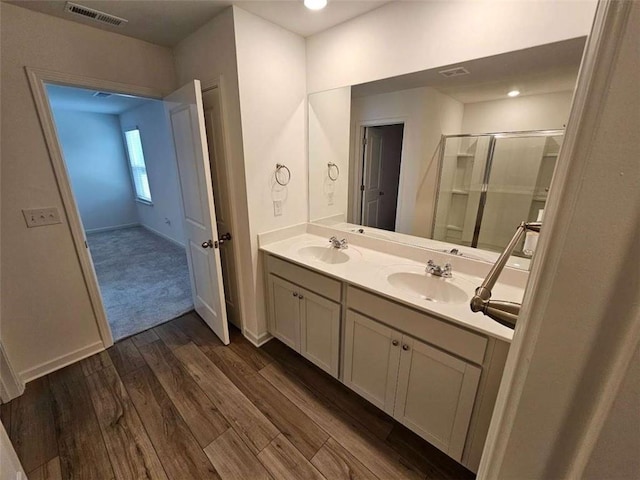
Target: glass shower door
x,y
518,180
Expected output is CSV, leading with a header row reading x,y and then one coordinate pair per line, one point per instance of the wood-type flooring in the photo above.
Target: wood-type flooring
x,y
175,403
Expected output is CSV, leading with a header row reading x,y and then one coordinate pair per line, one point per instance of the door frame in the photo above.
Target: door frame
x,y
37,80
599,59
219,83
361,126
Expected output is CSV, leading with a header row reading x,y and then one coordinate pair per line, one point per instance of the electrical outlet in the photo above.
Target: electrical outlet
x,y
277,208
39,217
330,198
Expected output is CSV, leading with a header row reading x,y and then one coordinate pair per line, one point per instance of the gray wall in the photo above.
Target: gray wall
x,y
165,215
94,154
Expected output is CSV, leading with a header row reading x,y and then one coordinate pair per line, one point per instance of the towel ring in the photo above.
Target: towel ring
x,y
331,165
280,166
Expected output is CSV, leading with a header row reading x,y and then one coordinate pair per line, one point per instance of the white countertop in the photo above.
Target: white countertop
x,y
368,269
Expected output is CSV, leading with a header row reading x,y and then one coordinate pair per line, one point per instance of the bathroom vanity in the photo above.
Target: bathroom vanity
x,y
403,339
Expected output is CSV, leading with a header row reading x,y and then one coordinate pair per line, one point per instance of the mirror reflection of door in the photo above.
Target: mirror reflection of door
x,y
381,175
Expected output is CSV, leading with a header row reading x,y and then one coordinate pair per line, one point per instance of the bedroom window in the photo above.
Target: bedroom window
x,y
138,167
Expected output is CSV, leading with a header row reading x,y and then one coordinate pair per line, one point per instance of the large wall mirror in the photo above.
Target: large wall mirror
x,y
449,158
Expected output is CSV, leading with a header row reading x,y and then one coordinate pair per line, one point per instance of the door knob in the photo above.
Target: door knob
x,y
224,238
380,193
207,244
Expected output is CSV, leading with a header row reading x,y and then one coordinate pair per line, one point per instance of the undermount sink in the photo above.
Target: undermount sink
x,y
326,254
428,287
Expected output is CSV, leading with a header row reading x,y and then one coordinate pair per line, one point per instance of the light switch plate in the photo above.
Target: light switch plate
x,y
39,217
277,208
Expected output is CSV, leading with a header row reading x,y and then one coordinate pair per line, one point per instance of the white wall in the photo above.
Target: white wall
x,y
329,125
200,56
272,86
530,112
404,37
58,322
165,215
427,114
97,165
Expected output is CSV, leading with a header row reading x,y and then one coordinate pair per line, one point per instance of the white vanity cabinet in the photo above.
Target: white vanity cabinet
x,y
371,360
437,378
427,390
304,318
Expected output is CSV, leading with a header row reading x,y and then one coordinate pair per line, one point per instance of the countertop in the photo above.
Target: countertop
x,y
368,269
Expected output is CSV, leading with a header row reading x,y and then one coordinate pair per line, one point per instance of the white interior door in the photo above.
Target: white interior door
x,y
372,178
218,162
186,115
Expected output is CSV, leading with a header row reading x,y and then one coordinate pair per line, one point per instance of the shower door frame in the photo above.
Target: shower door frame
x,y
486,174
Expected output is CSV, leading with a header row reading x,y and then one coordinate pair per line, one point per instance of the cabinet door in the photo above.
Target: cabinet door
x,y
320,331
371,359
284,311
435,396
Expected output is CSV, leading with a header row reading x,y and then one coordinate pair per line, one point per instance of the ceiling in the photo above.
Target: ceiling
x,y
82,100
544,69
166,22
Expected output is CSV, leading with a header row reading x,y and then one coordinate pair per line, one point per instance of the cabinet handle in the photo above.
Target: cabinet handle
x,y
301,297
295,294
395,343
405,347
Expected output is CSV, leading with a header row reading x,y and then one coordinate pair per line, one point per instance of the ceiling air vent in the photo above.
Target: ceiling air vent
x,y
102,94
454,72
96,15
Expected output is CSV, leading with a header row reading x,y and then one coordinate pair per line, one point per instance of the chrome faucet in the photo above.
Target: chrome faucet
x,y
437,270
339,244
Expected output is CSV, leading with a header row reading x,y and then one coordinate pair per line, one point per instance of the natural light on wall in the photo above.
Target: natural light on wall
x,y
138,167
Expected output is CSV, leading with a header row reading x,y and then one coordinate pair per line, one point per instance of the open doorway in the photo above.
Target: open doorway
x,y
120,159
381,175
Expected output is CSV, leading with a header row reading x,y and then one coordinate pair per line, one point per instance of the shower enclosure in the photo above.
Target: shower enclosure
x,y
489,183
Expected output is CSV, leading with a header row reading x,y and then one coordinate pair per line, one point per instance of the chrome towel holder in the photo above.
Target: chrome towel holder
x,y
331,165
281,166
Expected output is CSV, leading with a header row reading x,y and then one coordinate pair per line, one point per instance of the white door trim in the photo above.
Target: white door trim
x,y
218,82
597,64
11,385
37,79
10,466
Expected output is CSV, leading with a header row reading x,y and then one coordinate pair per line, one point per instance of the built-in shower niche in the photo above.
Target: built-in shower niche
x,y
460,185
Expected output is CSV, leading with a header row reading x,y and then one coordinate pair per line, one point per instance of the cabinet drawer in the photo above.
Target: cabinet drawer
x,y
320,284
456,340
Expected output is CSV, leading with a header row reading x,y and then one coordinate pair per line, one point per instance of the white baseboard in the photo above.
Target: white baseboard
x,y
60,362
166,237
114,227
11,386
257,340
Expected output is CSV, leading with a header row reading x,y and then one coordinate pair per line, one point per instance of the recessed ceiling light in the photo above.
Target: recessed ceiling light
x,y
315,4
514,93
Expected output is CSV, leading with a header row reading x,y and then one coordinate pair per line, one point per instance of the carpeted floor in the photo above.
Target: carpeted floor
x,y
143,278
